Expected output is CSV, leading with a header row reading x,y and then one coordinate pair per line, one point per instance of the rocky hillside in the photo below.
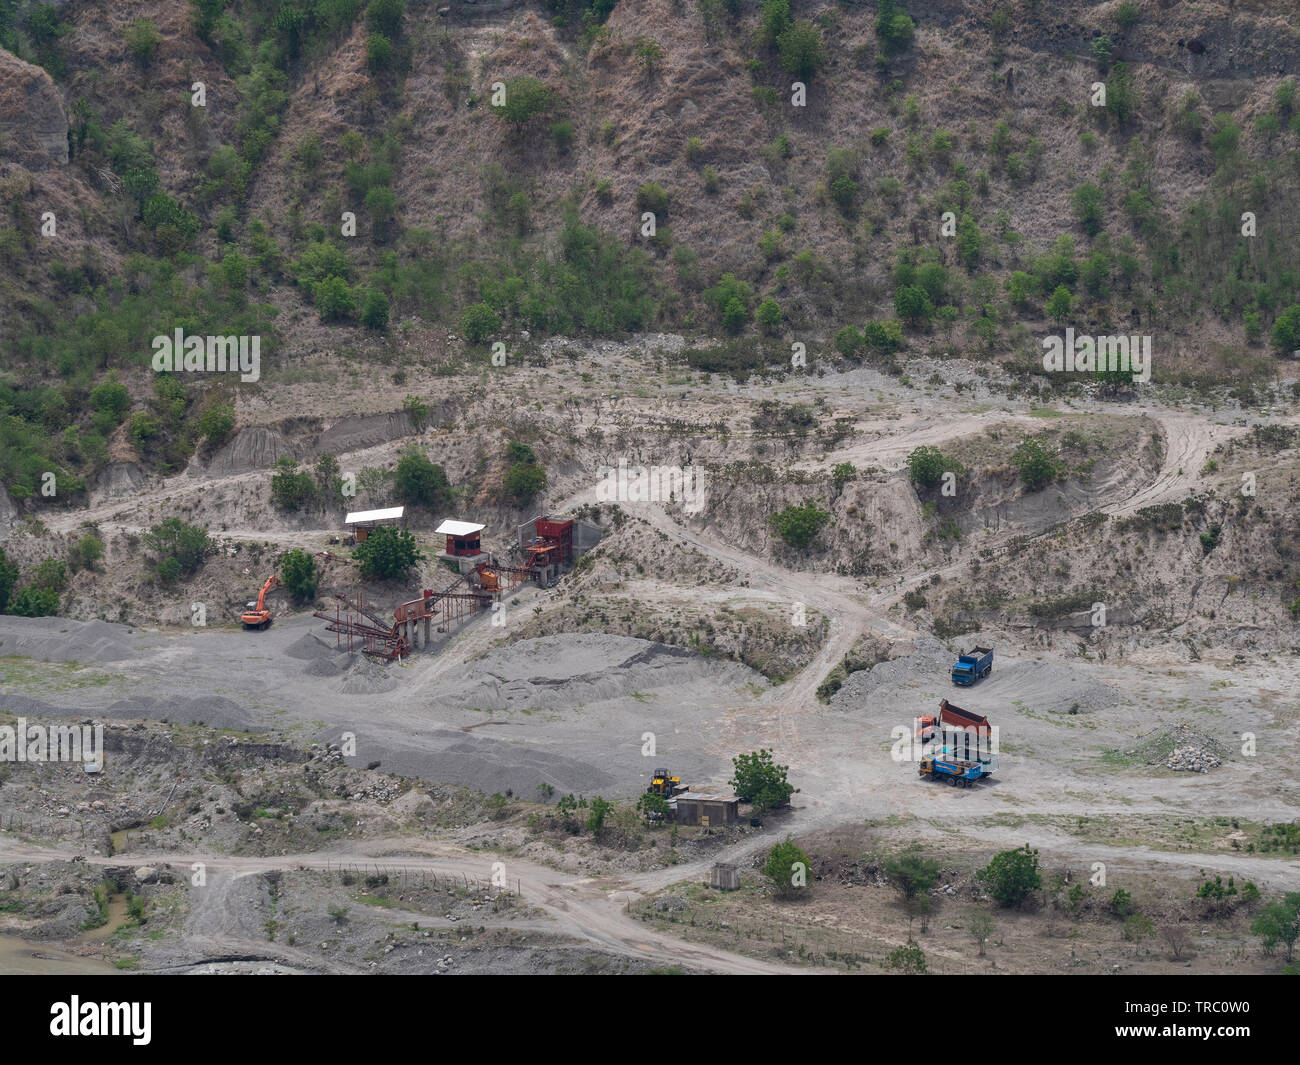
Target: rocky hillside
x,y
342,178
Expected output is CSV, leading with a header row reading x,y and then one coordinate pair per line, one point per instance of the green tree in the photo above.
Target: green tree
x,y
143,40
912,304
51,575
524,481
291,488
300,574
842,473
1137,927
894,27
768,315
652,197
884,336
907,960
478,322
34,602
110,401
773,19
379,53
799,524
800,48
216,422
525,99
418,481
1019,286
653,807
335,299
981,927
1122,99
1039,465
385,16
1086,201
1012,875
912,873
926,465
177,549
1058,304
1225,138
849,342
844,192
1279,922
734,316
387,554
648,53
759,780
87,552
1286,329
319,260
374,312
786,868
596,814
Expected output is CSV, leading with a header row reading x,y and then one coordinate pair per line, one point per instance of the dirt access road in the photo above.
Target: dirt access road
x,y
581,908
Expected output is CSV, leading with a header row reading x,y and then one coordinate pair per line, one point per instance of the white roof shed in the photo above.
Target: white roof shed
x,y
360,517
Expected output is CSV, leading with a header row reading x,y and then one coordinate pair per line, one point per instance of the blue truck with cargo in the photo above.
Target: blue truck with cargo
x,y
971,666
960,757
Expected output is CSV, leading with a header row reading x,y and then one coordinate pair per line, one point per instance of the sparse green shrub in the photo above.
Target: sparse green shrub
x,y
300,574
143,41
374,312
1037,463
478,322
786,868
652,197
292,489
419,482
798,525
894,27
387,553
523,482
908,960
178,549
926,465
525,99
1012,875
800,48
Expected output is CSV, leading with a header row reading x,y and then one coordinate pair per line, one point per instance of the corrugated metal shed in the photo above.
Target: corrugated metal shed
x,y
457,528
359,516
693,806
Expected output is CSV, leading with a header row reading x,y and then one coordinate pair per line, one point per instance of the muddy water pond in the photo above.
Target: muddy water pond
x,y
21,957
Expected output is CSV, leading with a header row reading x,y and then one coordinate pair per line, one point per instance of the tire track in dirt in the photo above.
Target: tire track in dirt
x,y
581,907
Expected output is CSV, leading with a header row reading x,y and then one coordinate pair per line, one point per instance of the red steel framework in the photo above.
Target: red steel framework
x,y
362,627
366,632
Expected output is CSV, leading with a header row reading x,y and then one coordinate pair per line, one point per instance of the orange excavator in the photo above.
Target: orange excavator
x,y
256,615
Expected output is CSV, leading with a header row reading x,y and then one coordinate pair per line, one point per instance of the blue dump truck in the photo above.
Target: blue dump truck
x,y
962,757
945,764
971,666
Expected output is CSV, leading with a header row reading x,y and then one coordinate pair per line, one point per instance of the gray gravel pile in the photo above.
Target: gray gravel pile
x,y
367,677
1181,748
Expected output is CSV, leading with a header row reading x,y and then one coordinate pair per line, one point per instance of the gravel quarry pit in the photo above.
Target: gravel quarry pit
x,y
570,711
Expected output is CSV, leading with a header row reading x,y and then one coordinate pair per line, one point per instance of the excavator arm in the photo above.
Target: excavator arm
x,y
256,615
271,582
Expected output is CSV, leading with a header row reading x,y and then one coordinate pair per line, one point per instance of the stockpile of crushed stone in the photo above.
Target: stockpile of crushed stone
x,y
1182,748
367,677
311,647
65,640
339,662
